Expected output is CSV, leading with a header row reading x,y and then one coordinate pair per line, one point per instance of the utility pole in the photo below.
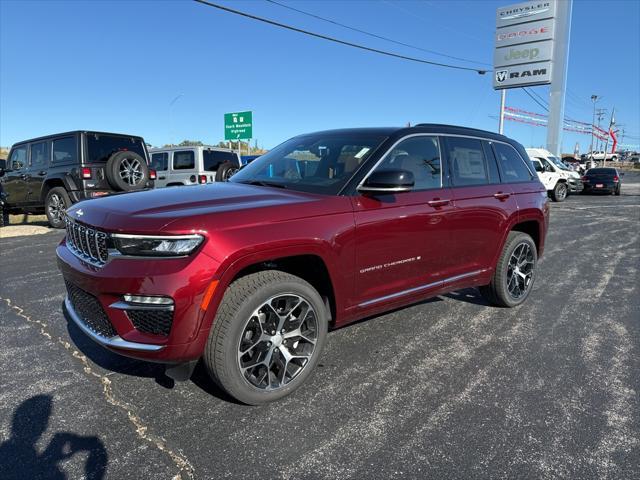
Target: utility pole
x,y
600,113
594,99
503,96
559,76
612,122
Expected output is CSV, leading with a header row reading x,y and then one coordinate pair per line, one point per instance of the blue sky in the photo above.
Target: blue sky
x,y
117,65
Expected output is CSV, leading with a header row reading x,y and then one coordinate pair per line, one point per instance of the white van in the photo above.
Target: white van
x,y
558,179
193,165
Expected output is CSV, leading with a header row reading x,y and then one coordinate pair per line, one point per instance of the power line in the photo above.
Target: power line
x,y
374,35
526,90
336,40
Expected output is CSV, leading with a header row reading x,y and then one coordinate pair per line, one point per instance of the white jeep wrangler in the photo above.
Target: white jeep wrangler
x,y
557,178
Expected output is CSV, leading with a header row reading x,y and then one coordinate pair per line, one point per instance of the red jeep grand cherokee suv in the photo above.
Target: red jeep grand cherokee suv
x,y
325,229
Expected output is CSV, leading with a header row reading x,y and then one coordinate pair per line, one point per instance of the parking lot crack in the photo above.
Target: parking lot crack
x,y
186,469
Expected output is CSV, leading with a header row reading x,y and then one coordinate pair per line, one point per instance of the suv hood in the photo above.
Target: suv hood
x,y
153,210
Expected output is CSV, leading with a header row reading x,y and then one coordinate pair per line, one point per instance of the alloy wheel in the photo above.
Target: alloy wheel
x,y
229,173
562,192
278,341
520,270
56,207
131,171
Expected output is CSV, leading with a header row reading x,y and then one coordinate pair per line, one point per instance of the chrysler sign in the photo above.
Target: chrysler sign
x,y
524,45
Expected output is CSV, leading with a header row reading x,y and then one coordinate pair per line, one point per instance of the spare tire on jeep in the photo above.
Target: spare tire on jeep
x,y
127,171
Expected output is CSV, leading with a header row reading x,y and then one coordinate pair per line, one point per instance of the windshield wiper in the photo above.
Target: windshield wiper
x,y
263,183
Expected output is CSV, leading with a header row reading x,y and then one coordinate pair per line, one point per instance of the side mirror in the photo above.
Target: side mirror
x,y
388,181
538,166
549,168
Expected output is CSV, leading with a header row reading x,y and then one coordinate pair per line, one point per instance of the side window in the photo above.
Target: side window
x,y
39,155
467,162
18,158
512,166
184,160
65,150
492,166
160,161
419,155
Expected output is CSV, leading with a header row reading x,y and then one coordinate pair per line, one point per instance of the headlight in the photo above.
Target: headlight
x,y
156,246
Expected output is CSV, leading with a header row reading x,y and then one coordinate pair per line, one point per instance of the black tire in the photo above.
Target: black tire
x,y
560,192
240,302
618,190
4,216
55,206
497,292
225,171
127,171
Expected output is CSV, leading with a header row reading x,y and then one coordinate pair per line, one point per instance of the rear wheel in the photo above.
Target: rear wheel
x,y
559,192
55,204
267,336
515,272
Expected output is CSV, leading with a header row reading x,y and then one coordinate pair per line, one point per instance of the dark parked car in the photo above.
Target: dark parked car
x,y
325,229
605,180
50,173
4,212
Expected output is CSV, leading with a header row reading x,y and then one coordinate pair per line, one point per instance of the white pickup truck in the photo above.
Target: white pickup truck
x,y
557,178
600,155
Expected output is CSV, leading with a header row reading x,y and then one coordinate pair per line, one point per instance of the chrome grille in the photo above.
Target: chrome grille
x,y
87,243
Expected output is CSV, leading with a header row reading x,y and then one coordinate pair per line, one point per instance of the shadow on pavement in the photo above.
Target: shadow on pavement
x,y
19,457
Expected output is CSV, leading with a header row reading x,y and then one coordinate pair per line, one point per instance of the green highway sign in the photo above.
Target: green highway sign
x,y
238,126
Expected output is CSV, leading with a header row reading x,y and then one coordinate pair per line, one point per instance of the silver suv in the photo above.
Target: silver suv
x,y
193,165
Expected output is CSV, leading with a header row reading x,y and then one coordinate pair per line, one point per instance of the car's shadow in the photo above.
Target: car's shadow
x,y
137,368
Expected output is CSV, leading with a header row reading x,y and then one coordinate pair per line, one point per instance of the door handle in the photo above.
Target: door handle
x,y
24,176
501,195
438,202
42,173
162,178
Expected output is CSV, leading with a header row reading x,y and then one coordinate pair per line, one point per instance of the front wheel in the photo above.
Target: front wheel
x,y
4,216
515,272
267,336
559,192
55,204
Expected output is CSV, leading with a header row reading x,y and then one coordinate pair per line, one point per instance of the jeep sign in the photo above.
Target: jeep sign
x,y
522,75
525,53
524,44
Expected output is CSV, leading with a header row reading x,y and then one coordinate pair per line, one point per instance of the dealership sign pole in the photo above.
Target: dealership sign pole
x,y
531,42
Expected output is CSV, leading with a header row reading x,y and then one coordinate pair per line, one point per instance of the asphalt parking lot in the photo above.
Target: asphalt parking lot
x,y
449,388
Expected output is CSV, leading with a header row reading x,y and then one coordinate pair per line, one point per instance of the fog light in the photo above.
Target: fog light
x,y
148,300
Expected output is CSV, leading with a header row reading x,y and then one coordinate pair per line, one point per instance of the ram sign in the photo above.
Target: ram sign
x,y
523,54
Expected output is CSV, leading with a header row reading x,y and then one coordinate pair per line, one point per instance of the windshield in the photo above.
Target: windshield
x,y
101,147
558,163
318,163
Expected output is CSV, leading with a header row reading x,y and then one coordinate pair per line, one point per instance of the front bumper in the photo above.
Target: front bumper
x,y
575,185
185,280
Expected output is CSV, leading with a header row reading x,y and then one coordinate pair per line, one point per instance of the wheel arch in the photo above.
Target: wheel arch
x,y
49,184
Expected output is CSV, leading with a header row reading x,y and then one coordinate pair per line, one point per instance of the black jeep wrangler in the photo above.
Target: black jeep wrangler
x,y
50,173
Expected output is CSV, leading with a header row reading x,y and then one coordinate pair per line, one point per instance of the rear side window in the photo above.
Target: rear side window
x,y
212,159
160,161
65,150
466,158
512,167
18,158
184,160
39,154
